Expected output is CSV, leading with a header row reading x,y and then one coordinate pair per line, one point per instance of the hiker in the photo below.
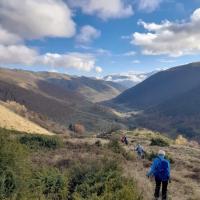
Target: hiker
x,y
140,150
160,169
124,140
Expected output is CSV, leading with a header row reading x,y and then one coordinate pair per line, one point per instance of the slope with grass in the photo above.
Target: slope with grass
x,y
185,160
93,168
11,120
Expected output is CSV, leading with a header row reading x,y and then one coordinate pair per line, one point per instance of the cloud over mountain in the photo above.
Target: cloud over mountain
x,y
170,38
23,20
20,54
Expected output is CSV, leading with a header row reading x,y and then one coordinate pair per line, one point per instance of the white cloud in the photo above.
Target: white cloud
x,y
129,53
170,38
8,38
98,69
87,34
105,9
80,61
33,19
17,54
22,55
149,5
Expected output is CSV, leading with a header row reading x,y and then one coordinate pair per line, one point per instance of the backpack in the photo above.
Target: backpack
x,y
162,170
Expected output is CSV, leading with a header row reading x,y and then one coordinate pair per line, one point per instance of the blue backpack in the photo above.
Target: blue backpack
x,y
162,170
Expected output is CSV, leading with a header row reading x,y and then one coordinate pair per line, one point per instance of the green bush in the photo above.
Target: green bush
x,y
40,141
94,179
101,181
115,146
159,142
49,183
13,167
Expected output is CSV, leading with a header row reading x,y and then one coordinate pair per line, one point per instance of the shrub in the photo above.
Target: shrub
x,y
40,141
102,180
180,140
159,142
115,146
77,128
13,167
49,183
98,143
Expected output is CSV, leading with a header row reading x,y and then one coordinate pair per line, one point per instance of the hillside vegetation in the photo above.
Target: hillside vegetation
x,y
11,120
90,168
47,168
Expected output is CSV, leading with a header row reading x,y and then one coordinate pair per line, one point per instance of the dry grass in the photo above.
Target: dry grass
x,y
185,171
13,121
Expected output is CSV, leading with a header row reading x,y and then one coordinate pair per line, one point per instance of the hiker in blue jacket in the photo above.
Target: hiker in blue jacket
x,y
160,169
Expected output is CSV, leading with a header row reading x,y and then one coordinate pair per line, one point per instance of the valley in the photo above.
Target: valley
x,y
63,125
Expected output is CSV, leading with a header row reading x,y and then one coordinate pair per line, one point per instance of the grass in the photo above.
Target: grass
x,y
159,142
11,120
40,141
184,159
81,176
91,168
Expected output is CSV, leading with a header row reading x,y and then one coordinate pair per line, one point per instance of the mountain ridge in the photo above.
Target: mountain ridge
x,y
52,101
168,101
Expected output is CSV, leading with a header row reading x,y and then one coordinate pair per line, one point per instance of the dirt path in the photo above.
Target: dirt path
x,y
185,172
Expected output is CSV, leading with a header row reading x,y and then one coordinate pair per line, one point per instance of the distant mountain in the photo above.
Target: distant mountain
x,y
130,79
160,87
169,100
92,89
55,100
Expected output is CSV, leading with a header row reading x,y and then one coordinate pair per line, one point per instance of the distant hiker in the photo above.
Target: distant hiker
x,y
140,151
160,169
124,140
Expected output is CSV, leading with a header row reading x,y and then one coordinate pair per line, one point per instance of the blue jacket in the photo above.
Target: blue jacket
x,y
152,170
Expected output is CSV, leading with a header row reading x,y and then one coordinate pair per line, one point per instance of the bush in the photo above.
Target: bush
x,y
102,180
180,140
49,183
98,143
115,146
159,142
40,141
13,167
77,128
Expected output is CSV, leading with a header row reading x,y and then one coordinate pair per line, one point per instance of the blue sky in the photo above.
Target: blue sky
x,y
99,37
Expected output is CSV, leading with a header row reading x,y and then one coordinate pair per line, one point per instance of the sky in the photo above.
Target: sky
x,y
99,37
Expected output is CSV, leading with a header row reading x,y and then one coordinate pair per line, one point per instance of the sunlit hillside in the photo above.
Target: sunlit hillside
x,y
13,121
